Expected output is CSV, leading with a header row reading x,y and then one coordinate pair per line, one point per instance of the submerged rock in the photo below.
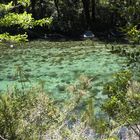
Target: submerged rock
x,y
61,87
11,77
122,133
1,79
52,74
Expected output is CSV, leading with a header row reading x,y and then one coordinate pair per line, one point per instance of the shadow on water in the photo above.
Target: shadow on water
x,y
105,37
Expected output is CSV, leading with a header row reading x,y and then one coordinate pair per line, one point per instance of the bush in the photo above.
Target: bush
x,y
123,102
26,115
31,114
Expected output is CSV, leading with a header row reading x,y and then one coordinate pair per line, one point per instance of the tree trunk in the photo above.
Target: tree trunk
x,y
15,2
93,3
33,8
86,7
57,7
41,9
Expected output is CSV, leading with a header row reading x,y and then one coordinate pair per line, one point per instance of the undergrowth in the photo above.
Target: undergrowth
x,y
30,114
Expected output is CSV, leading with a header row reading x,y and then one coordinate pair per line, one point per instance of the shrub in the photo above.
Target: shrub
x,y
31,114
123,102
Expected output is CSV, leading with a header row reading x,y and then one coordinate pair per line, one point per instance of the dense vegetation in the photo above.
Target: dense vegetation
x,y
72,18
31,113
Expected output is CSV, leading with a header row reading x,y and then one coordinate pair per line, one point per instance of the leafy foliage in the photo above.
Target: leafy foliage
x,y
123,100
25,3
4,7
25,115
16,38
134,34
31,114
23,20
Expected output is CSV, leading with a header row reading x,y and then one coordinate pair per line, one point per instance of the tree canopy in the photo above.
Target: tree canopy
x,y
72,17
10,17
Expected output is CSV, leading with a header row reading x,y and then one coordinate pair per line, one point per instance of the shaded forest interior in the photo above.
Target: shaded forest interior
x,y
71,18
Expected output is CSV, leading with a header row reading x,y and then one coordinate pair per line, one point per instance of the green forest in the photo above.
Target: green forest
x,y
69,70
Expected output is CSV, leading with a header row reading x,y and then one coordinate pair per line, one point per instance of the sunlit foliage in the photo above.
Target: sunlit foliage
x,y
23,20
123,102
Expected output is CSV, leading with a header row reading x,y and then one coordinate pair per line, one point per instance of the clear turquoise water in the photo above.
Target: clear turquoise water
x,y
59,64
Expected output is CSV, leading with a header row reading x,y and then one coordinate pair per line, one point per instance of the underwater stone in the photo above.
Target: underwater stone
x,y
61,87
61,67
43,60
52,74
68,82
1,79
65,81
137,53
123,133
14,60
2,66
95,91
25,62
124,52
11,77
27,75
44,56
28,70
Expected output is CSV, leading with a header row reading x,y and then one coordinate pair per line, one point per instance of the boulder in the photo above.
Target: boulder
x,y
88,34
